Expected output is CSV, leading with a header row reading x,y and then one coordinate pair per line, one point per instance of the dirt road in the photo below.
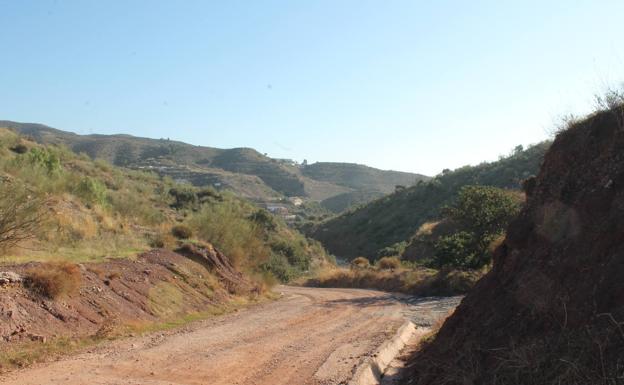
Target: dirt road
x,y
310,336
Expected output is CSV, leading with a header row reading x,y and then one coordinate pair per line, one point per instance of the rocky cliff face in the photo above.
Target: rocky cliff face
x,y
551,311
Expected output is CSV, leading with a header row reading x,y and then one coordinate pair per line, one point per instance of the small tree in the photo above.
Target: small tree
x,y
21,215
482,214
456,250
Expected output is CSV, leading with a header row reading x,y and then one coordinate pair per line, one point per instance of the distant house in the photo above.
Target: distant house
x,y
277,209
290,218
296,201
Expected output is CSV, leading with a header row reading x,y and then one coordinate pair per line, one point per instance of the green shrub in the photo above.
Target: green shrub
x,y
264,219
278,266
182,231
226,225
185,198
455,250
92,191
45,159
482,213
295,254
389,263
393,250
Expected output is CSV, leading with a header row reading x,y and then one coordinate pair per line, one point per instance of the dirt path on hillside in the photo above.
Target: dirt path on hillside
x,y
310,336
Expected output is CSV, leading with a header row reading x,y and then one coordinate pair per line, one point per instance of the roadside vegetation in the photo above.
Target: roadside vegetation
x,y
59,205
388,222
447,262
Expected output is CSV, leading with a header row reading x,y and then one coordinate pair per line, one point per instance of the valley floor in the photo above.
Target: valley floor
x,y
311,336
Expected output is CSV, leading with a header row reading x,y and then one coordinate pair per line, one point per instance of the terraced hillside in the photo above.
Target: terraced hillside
x,y
242,170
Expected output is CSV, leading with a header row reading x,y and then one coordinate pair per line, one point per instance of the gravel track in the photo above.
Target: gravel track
x,y
311,336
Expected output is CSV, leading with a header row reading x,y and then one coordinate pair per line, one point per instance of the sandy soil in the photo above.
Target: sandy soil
x,y
310,336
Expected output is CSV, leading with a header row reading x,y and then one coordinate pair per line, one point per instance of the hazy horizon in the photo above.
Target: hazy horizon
x,y
403,86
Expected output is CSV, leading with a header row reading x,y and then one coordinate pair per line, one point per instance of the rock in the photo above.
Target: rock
x,y
9,277
35,337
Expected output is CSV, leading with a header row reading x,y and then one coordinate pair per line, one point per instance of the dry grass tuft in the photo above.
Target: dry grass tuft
x,y
419,281
182,231
54,279
360,263
389,263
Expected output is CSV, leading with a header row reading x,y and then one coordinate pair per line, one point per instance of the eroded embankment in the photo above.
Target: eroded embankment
x,y
551,310
310,337
158,285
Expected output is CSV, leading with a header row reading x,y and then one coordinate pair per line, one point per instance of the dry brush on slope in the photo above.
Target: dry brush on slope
x,y
551,311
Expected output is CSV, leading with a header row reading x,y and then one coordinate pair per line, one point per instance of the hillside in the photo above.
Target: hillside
x,y
550,311
244,171
360,177
77,209
395,218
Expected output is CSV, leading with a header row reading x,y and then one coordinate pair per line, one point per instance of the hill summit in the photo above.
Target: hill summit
x,y
247,172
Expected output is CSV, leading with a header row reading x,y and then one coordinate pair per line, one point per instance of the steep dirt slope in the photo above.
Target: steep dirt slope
x,y
552,309
158,285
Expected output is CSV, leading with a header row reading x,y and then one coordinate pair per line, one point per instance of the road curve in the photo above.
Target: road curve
x,y
311,336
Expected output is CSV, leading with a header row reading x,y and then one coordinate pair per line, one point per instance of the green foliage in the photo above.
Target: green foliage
x,y
226,225
482,214
483,210
278,266
185,197
92,191
457,250
45,159
396,217
127,211
264,219
392,250
294,252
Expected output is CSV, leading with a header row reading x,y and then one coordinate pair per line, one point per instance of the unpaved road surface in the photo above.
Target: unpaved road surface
x,y
310,336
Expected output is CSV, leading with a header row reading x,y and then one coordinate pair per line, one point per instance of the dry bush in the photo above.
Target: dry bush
x,y
427,228
360,263
21,215
54,279
182,231
389,263
75,225
419,281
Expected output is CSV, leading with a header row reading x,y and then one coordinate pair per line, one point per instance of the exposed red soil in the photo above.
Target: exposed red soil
x,y
158,285
552,309
309,337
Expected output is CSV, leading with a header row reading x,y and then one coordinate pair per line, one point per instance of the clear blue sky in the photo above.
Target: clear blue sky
x,y
407,85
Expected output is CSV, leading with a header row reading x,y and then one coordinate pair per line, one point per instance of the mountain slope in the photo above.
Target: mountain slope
x,y
396,217
550,311
242,170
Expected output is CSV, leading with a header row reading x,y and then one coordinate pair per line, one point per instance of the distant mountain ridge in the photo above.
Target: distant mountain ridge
x,y
242,170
